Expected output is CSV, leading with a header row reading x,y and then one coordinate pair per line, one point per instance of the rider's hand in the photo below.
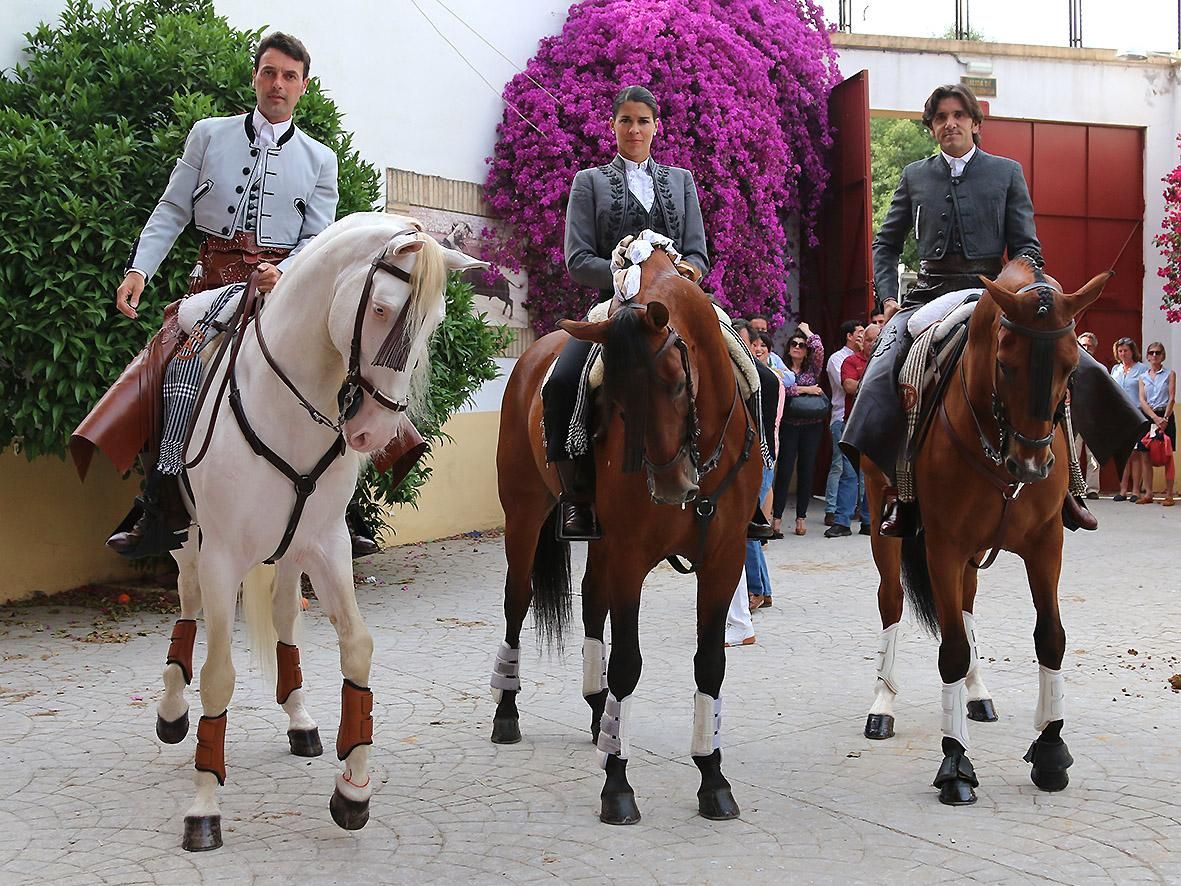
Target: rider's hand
x,y
128,293
268,276
890,308
689,271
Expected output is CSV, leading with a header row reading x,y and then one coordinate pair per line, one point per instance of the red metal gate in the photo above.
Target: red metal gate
x,y
1087,185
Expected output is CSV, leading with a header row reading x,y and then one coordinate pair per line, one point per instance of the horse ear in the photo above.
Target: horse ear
x,y
406,244
656,316
1007,301
1079,301
460,261
585,331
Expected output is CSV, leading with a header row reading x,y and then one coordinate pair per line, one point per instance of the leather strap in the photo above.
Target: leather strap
x,y
356,719
180,649
211,746
289,677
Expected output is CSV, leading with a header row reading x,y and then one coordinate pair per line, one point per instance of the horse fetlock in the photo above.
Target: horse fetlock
x,y
597,703
715,798
356,719
887,655
618,799
297,714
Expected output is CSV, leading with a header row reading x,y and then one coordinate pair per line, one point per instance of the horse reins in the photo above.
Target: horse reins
x,y
393,353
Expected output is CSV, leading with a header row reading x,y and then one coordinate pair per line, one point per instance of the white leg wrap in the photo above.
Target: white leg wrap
x,y
506,671
975,676
594,666
1051,697
887,651
707,724
955,712
614,735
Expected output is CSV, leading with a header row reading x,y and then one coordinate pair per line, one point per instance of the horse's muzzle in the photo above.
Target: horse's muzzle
x,y
1028,470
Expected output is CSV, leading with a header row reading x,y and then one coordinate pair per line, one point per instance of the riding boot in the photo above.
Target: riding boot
x,y
1075,514
900,519
360,535
576,510
759,527
156,524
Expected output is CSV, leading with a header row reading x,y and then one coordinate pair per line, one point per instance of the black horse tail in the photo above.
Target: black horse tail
x,y
916,581
551,585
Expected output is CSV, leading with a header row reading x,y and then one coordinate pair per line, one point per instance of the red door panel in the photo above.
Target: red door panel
x,y
1012,139
1115,172
1059,169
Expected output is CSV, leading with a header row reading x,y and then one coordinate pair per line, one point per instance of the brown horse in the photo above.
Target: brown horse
x,y
678,470
991,474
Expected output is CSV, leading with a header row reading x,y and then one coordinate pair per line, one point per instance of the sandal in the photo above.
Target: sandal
x,y
1168,502
755,601
801,526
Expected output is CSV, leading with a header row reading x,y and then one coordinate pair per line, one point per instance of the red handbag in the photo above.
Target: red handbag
x,y
1159,446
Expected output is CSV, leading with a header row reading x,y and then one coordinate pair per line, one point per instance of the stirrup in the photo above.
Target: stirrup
x,y
568,512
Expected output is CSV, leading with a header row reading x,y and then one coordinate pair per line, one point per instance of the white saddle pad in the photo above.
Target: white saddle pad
x,y
936,309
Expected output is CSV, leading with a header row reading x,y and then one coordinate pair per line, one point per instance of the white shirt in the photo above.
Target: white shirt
x,y
957,164
639,182
267,133
834,382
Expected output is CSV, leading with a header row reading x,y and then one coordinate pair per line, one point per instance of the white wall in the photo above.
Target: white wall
x,y
1084,91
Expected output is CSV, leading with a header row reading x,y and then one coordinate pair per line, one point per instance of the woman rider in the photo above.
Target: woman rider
x,y
630,194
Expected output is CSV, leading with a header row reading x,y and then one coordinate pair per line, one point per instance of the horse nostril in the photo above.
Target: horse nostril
x,y
1013,467
691,493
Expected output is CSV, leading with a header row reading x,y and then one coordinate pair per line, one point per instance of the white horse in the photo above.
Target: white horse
x,y
314,321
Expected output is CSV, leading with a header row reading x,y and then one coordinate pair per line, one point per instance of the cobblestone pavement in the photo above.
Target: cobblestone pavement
x,y
89,795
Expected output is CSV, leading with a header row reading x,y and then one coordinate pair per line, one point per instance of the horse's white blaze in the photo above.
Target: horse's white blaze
x,y
1051,697
707,725
975,678
955,711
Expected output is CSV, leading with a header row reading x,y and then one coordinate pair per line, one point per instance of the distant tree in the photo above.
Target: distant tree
x,y
949,34
893,143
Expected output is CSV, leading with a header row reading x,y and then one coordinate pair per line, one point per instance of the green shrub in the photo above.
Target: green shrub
x,y
90,128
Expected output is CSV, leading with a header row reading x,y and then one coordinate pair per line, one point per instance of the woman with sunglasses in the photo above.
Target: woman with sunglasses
x,y
1127,371
799,440
1158,390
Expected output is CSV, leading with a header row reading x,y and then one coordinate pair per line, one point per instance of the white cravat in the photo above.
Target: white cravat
x,y
267,133
957,164
639,182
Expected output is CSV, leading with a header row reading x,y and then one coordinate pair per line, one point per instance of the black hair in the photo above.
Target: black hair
x,y
288,45
961,92
765,338
635,94
849,327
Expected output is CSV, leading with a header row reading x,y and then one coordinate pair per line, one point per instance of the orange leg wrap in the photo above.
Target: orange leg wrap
x,y
211,746
290,676
180,650
356,719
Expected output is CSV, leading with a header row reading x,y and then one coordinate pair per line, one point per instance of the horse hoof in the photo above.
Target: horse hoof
x,y
1049,780
879,726
506,730
202,833
305,742
957,792
982,711
717,804
619,809
351,815
174,732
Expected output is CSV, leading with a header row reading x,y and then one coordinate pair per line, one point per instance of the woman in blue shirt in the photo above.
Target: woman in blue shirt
x,y
1158,390
1127,371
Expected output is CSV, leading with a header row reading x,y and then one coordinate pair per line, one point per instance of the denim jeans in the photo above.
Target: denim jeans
x,y
758,579
846,494
835,467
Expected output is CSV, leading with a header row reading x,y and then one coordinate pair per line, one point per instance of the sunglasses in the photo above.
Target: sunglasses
x,y
1156,353
799,344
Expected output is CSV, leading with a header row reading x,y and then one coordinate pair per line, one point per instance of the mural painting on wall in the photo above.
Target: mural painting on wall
x,y
500,297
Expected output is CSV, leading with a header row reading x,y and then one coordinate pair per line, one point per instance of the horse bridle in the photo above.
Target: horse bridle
x,y
1040,381
393,354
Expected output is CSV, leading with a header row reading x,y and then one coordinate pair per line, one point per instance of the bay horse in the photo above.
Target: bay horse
x,y
678,471
346,335
990,474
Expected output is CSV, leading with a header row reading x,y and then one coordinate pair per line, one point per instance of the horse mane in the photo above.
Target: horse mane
x,y
627,376
428,283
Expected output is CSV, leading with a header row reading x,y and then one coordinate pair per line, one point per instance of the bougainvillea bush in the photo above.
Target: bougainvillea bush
x,y
743,87
1169,243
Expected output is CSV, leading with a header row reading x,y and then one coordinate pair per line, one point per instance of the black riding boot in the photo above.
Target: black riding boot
x,y
576,510
360,535
156,524
900,519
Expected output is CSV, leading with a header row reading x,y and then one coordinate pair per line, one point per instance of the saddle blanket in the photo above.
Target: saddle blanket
x,y
938,309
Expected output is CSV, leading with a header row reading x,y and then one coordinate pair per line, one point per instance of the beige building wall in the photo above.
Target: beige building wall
x,y
52,527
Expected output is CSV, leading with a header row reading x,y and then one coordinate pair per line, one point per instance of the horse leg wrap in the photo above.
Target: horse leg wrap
x,y
506,671
887,654
955,711
613,730
1051,697
290,677
211,746
594,666
356,718
707,725
180,649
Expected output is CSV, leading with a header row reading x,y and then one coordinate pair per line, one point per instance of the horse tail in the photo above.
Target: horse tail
x,y
258,593
916,581
551,584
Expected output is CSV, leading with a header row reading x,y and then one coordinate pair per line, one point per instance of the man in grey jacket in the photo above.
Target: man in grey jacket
x,y
967,208
259,189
